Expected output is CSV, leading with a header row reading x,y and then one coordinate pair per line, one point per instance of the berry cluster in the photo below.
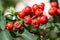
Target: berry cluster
x,y
54,9
34,16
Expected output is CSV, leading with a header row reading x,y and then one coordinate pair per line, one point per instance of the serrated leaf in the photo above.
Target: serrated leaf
x,y
2,21
5,35
28,36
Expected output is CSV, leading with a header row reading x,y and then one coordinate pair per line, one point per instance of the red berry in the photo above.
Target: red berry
x,y
35,23
54,4
43,19
27,20
21,14
54,8
9,25
18,25
27,9
35,7
51,12
42,6
58,11
38,12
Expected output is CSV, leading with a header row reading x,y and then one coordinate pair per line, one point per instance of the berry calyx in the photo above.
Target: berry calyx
x,y
18,25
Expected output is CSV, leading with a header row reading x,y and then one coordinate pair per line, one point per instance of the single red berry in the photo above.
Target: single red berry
x,y
27,20
54,8
35,7
9,25
43,19
58,11
35,23
27,10
52,12
54,4
18,25
38,12
42,6
21,14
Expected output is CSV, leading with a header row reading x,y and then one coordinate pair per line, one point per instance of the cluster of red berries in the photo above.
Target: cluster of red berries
x,y
54,9
33,15
17,25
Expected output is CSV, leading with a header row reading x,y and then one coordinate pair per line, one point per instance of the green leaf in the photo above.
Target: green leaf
x,y
21,20
15,13
53,35
28,36
10,17
48,39
48,25
58,39
2,21
57,28
5,35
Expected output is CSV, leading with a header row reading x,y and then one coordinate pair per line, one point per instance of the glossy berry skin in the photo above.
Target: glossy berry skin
x,y
58,11
35,7
21,14
27,10
9,25
54,4
54,8
43,19
38,12
35,23
41,5
18,25
27,20
51,12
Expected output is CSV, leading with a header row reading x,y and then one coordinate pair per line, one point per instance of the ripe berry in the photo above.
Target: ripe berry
x,y
27,20
42,6
54,8
21,14
18,25
9,25
54,4
43,19
52,12
58,11
35,7
35,23
27,9
38,12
